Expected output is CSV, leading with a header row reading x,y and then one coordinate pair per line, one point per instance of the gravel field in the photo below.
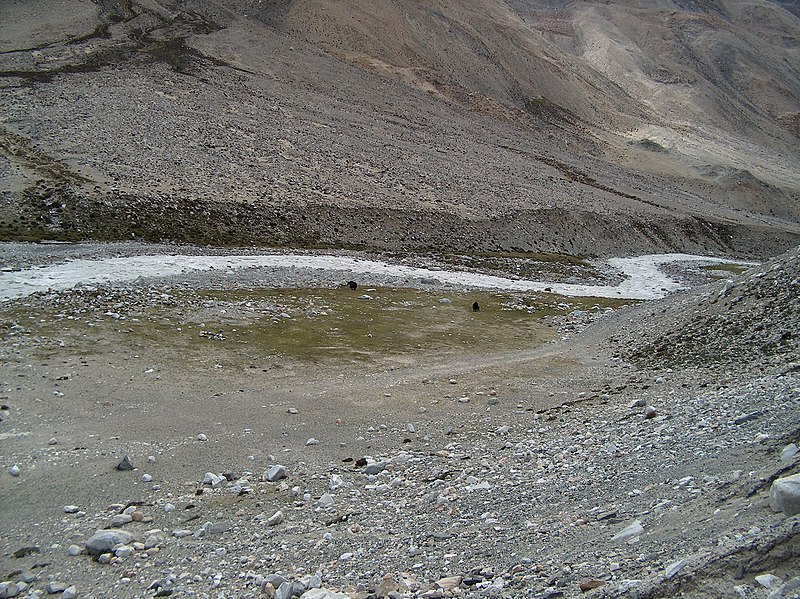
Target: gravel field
x,y
629,452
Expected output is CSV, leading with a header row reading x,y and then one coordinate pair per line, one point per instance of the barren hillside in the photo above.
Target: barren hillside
x,y
576,127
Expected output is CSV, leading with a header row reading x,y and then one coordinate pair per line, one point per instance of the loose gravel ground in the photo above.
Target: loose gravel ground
x,y
628,457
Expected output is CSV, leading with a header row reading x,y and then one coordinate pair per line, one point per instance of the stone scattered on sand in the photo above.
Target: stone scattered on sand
x,y
125,464
275,473
104,541
591,584
629,533
56,587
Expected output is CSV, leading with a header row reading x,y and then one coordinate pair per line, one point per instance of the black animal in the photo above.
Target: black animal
x,y
352,285
476,307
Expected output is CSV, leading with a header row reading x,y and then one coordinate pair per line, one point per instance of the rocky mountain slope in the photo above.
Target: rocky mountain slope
x,y
576,127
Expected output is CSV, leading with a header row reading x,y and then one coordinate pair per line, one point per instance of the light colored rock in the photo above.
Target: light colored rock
x,y
671,570
375,468
202,437
275,518
312,441
784,496
14,470
104,541
8,589
71,509
70,592
55,587
323,594
124,551
768,581
181,532
449,583
629,533
74,550
788,453
786,590
153,540
215,480
275,473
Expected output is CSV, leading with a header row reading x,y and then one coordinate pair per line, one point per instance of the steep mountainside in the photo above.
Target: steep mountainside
x,y
578,127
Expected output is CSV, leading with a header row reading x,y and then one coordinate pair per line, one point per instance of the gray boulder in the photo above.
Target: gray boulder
x,y
104,541
784,496
275,473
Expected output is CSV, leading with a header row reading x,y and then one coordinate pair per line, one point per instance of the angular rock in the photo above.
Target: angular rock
x,y
124,551
8,589
124,464
375,468
275,518
768,581
449,583
323,594
671,570
788,453
287,590
591,584
104,541
275,473
276,580
56,587
218,528
629,533
784,495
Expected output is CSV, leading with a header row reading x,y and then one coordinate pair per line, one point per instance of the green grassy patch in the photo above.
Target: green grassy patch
x,y
735,269
269,328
